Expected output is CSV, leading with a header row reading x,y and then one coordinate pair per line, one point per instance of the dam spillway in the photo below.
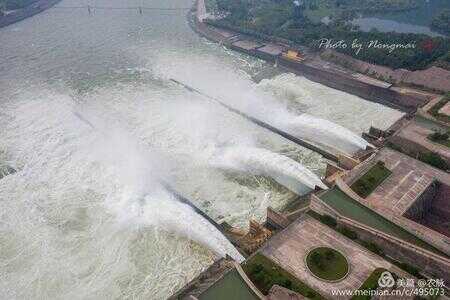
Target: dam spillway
x,y
331,154
71,201
232,251
258,161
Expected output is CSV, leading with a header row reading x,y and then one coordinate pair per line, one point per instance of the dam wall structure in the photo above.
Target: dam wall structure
x,y
345,83
305,144
270,49
197,210
188,202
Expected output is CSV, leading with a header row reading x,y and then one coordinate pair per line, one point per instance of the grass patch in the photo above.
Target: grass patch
x,y
434,111
440,138
369,181
348,233
327,263
370,284
264,274
231,286
434,159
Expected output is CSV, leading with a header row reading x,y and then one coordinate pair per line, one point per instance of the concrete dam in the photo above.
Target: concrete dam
x,y
330,152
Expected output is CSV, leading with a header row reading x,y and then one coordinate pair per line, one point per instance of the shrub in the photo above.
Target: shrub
x,y
370,180
348,233
372,247
439,136
328,220
434,160
410,269
264,273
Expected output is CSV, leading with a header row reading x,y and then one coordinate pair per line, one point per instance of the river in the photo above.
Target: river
x,y
89,118
416,20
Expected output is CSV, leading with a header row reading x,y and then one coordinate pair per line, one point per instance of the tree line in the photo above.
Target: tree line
x,y
284,19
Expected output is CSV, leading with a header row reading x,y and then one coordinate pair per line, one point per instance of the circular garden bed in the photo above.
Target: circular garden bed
x,y
327,264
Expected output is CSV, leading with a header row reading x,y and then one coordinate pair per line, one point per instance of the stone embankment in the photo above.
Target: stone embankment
x,y
31,10
433,78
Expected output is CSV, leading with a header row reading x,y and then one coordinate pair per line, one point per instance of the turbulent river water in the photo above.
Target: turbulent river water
x,y
91,121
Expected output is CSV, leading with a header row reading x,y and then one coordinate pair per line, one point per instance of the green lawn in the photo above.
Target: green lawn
x,y
444,142
327,263
371,283
369,181
264,273
231,286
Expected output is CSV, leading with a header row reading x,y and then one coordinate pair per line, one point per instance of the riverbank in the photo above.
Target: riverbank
x,y
311,65
26,12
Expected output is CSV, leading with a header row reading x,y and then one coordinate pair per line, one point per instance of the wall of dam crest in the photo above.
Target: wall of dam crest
x,y
331,76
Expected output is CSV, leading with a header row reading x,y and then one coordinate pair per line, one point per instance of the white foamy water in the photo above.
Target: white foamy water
x,y
164,211
70,217
324,132
262,101
301,95
83,218
284,170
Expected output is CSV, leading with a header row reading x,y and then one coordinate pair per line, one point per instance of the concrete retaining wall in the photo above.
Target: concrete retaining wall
x,y
420,208
430,266
344,83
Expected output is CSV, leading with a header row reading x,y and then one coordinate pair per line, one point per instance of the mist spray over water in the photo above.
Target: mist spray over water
x,y
72,216
242,93
146,199
324,132
258,161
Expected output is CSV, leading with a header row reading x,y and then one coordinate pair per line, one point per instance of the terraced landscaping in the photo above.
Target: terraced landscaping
x,y
354,210
264,274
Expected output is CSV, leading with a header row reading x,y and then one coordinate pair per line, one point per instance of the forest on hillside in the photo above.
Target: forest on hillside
x,y
294,21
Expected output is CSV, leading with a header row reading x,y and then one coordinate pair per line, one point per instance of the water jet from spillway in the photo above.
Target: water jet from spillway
x,y
163,210
258,161
319,135
147,199
324,132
